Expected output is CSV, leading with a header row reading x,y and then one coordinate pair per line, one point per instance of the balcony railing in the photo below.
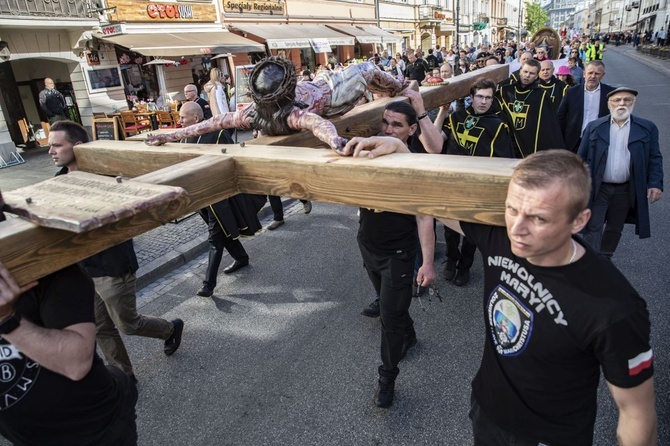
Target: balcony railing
x,y
47,8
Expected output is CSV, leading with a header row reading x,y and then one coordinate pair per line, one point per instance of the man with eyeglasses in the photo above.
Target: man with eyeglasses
x,y
626,165
583,104
475,131
191,93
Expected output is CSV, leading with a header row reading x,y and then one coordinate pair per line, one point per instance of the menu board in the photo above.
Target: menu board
x,y
105,128
242,73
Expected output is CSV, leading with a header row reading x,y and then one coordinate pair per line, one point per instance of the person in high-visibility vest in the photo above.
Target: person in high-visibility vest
x,y
595,51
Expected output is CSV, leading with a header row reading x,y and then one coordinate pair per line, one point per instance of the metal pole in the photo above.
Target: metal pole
x,y
458,24
519,26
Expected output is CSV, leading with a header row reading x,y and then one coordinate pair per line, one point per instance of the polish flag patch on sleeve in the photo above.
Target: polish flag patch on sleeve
x,y
640,363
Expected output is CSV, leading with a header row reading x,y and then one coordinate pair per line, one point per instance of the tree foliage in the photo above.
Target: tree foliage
x,y
536,16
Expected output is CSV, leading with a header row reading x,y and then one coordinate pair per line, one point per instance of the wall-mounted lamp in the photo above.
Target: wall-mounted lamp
x,y
4,51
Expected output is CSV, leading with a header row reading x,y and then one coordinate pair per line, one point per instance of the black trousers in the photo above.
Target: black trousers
x,y
123,432
464,257
391,276
487,433
218,241
609,210
278,208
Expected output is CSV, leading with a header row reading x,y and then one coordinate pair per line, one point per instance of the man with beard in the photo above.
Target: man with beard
x,y
626,165
529,112
583,104
282,105
552,84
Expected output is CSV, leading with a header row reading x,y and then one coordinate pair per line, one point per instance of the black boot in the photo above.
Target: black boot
x,y
384,395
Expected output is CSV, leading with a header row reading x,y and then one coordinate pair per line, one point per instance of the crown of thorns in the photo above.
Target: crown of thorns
x,y
286,88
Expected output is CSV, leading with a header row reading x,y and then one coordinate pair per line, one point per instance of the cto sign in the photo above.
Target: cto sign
x,y
169,11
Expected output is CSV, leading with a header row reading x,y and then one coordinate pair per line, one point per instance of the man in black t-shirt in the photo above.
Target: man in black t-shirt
x,y
191,93
113,272
55,388
416,68
388,242
555,313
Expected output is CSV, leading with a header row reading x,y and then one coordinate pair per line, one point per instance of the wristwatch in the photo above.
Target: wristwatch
x,y
10,323
421,116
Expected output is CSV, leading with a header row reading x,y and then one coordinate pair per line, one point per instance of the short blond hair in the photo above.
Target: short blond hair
x,y
548,167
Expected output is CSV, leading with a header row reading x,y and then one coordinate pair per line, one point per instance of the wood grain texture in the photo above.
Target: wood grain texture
x,y
31,252
92,201
365,120
465,188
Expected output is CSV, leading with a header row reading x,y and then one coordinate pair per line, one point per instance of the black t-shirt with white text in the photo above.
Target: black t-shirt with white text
x,y
549,331
41,407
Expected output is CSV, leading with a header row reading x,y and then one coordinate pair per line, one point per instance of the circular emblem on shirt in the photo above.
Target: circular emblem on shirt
x,y
518,106
17,375
510,322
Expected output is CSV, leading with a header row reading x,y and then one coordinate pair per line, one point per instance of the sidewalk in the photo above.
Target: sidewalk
x,y
658,64
160,250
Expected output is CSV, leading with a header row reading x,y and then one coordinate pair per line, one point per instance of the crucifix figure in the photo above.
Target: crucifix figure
x,y
282,105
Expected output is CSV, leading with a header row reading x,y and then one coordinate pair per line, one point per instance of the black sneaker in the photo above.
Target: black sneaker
x,y
384,395
408,342
449,270
462,277
172,343
371,310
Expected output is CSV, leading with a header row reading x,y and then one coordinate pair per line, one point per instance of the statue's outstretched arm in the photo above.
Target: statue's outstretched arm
x,y
381,82
239,119
322,128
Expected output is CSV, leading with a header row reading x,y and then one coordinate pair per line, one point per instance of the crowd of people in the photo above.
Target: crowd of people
x,y
556,309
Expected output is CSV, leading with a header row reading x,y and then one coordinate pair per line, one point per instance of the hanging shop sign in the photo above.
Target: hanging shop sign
x,y
253,7
133,11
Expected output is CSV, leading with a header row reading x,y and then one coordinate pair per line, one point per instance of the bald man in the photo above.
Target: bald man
x,y
550,83
52,102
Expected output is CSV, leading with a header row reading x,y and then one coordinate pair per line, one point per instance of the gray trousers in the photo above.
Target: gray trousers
x,y
116,310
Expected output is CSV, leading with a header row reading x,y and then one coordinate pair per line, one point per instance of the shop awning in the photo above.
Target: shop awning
x,y
367,34
168,44
295,36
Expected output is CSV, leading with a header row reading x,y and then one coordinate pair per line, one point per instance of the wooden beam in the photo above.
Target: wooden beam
x,y
31,252
365,120
465,188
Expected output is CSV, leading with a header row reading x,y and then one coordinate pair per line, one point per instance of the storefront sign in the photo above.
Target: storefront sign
x,y
160,11
133,11
112,30
320,45
253,7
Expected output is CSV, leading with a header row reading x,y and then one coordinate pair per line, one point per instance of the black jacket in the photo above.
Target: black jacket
x,y
571,113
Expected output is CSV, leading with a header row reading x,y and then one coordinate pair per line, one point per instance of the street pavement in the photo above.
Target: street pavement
x,y
281,356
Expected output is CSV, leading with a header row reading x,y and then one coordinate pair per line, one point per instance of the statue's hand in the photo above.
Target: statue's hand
x,y
155,140
337,144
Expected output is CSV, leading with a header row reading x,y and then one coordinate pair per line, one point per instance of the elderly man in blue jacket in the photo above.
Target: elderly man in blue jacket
x,y
626,165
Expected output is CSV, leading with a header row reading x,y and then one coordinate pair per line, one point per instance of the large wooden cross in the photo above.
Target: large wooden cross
x,y
458,187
